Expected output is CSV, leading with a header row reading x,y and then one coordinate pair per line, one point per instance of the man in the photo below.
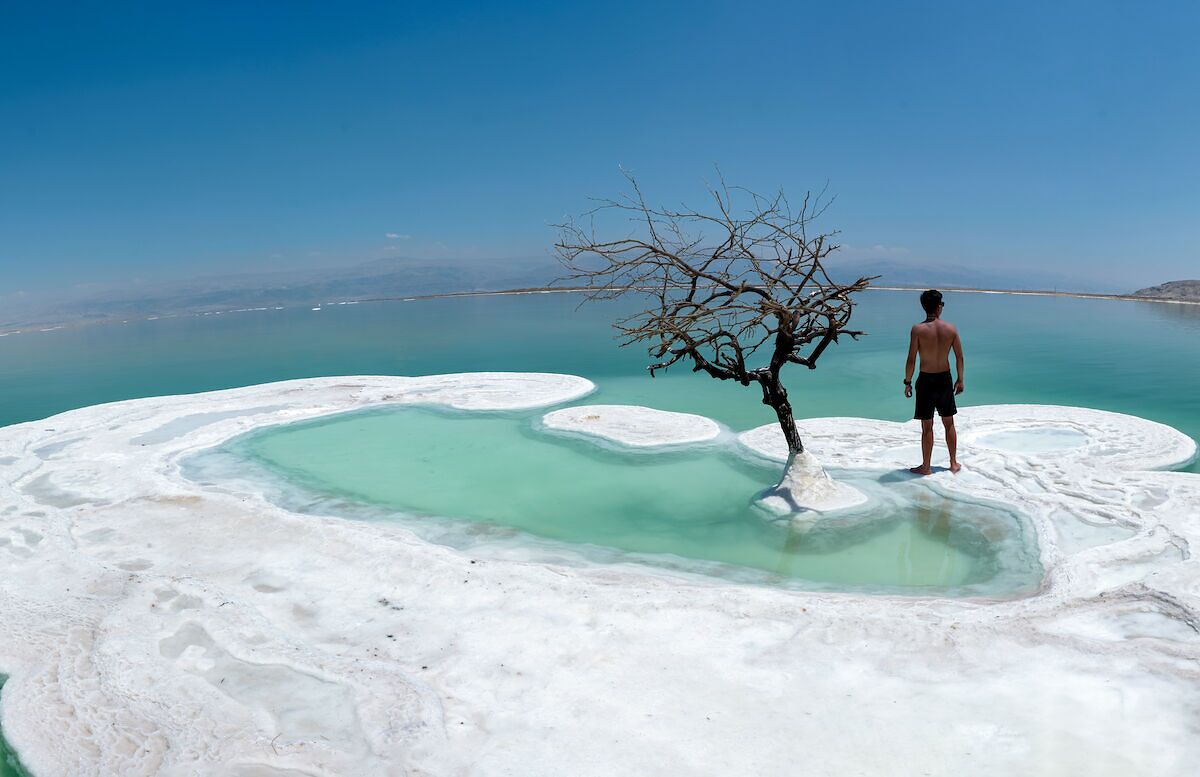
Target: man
x,y
933,339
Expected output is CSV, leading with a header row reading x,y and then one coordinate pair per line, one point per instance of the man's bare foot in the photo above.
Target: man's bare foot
x,y
921,470
955,466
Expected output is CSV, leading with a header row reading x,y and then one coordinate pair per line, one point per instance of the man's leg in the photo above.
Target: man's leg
x,y
951,441
926,448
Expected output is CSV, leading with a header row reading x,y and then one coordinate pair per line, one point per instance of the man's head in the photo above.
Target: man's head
x,y
932,301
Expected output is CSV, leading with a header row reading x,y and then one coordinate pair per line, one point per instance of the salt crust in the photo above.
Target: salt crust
x,y
633,426
1112,439
154,625
806,491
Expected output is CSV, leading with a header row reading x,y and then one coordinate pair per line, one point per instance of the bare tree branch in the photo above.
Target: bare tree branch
x,y
737,294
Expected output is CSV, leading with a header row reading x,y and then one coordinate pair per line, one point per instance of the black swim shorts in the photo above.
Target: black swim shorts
x,y
935,390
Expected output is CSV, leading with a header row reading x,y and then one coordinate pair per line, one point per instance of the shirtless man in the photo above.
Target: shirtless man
x,y
933,339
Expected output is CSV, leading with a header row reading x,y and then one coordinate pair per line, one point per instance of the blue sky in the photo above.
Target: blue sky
x,y
164,140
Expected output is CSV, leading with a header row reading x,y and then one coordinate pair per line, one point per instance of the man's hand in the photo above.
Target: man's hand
x,y
908,391
958,387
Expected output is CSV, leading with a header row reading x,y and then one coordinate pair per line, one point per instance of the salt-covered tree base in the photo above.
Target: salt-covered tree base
x,y
807,488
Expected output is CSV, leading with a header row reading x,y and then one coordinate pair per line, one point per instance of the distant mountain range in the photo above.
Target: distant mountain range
x,y
382,278
1185,291
407,277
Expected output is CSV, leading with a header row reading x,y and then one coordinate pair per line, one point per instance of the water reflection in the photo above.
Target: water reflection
x,y
918,520
1177,314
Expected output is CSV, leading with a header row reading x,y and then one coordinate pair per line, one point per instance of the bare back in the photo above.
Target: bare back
x,y
933,340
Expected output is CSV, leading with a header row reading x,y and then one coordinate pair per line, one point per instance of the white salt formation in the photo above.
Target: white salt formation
x,y
158,626
806,488
1068,434
633,426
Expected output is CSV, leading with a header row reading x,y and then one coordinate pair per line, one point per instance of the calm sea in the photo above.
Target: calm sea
x,y
1132,357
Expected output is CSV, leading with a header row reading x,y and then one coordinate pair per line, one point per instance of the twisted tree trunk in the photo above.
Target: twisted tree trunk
x,y
776,396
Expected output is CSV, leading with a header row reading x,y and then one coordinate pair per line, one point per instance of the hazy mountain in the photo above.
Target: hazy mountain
x,y
371,280
407,277
1188,291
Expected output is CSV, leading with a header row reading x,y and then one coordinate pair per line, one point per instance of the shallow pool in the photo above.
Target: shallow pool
x,y
476,480
1050,439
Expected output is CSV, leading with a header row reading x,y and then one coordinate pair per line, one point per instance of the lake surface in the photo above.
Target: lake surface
x,y
1131,357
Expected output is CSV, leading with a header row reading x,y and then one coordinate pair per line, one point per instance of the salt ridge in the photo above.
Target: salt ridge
x,y
154,625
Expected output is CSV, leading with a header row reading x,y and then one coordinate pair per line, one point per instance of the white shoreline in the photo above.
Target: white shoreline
x,y
154,625
1048,293
35,328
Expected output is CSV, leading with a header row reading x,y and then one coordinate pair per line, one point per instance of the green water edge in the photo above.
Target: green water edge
x,y
688,510
9,765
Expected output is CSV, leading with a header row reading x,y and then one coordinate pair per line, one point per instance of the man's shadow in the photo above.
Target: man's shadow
x,y
903,475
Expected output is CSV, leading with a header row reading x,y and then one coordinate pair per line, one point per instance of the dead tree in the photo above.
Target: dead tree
x,y
738,294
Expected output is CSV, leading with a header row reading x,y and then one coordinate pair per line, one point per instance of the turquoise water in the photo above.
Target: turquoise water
x,y
688,510
1140,358
9,765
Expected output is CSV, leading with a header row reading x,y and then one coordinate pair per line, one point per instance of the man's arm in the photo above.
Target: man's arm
x,y
958,362
911,365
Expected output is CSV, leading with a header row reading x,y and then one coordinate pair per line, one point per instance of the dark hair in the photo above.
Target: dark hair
x,y
930,300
